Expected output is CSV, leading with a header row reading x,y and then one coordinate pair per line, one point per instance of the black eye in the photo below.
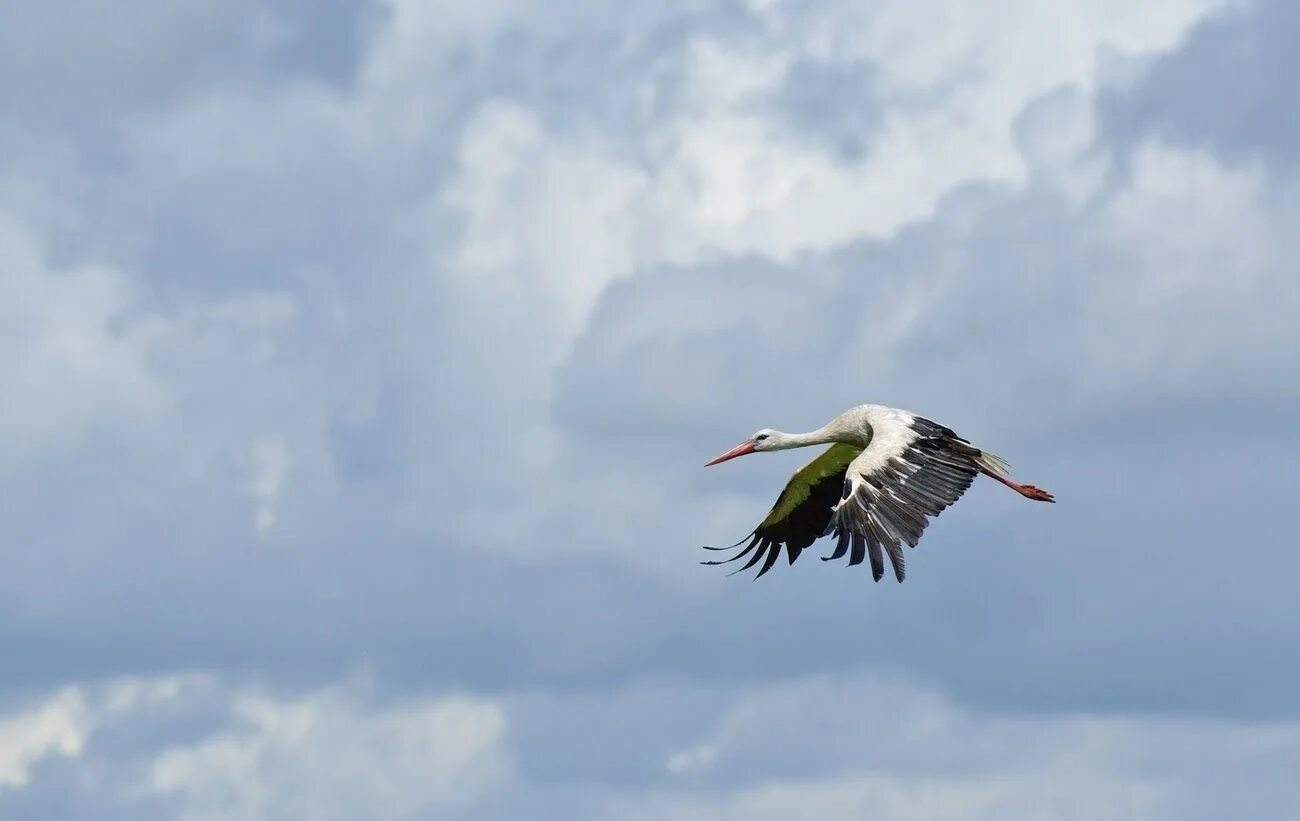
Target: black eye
x,y
760,437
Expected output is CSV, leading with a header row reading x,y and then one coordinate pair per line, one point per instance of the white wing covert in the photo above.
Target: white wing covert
x,y
910,472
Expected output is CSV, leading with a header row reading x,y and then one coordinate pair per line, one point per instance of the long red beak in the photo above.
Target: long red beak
x,y
739,450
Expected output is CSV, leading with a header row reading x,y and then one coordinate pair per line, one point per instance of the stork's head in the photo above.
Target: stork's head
x,y
765,439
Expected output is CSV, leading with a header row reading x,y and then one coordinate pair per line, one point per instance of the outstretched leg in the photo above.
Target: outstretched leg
x,y
1028,491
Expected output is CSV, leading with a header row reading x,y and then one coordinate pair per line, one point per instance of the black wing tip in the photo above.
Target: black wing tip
x,y
744,551
764,549
737,544
773,553
767,552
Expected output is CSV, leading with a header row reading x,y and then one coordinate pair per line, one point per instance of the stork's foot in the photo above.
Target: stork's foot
x,y
1035,493
1028,491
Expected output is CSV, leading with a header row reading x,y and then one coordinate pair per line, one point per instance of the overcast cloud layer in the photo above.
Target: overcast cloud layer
x,y
359,366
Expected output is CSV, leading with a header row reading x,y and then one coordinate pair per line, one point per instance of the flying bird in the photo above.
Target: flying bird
x,y
886,472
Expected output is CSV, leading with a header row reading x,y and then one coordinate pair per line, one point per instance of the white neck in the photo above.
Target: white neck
x,y
785,441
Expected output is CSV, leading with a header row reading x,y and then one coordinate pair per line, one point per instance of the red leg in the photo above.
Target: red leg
x,y
1028,491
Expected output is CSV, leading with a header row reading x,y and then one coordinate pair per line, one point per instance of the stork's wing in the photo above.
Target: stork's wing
x,y
902,478
802,512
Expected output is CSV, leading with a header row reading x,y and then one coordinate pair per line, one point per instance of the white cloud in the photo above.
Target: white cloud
x,y
551,223
325,754
913,799
569,210
1055,134
694,759
830,747
421,36
718,173
270,466
71,357
950,83
84,353
63,724
847,748
56,727
1205,297
330,755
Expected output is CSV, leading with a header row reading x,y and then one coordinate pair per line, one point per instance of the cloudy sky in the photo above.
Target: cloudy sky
x,y
359,364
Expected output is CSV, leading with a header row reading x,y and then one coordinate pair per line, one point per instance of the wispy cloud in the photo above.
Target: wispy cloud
x,y
835,747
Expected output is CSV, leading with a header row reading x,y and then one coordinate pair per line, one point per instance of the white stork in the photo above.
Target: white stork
x,y
885,472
